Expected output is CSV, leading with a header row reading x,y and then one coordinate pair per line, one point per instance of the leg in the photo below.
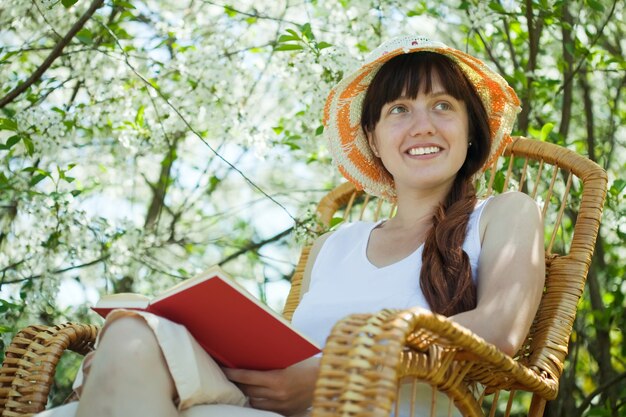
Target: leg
x,y
128,376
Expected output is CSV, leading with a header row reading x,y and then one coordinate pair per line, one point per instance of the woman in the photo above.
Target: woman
x,y
417,123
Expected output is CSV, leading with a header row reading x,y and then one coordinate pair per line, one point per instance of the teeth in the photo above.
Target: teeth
x,y
423,151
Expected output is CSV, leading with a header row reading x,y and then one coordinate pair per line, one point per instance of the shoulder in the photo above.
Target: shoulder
x,y
510,206
511,199
344,232
319,242
510,211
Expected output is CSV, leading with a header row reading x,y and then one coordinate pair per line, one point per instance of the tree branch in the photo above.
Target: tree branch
x,y
566,108
160,187
45,19
253,246
535,28
59,271
510,43
56,52
186,122
589,117
589,398
613,125
591,44
495,61
255,15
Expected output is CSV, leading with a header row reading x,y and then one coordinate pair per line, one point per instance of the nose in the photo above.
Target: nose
x,y
421,123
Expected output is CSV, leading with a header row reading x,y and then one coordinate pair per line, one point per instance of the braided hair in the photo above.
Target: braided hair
x,y
447,282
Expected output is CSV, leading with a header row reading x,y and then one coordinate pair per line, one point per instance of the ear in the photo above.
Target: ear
x,y
371,139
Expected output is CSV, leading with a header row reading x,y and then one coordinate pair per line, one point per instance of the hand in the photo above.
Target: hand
x,y
285,391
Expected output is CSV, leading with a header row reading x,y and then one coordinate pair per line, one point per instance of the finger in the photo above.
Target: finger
x,y
245,376
266,404
256,391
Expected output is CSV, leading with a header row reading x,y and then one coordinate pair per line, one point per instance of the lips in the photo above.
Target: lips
x,y
424,150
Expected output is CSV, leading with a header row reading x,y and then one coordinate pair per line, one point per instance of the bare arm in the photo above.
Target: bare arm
x,y
315,250
286,391
511,272
289,390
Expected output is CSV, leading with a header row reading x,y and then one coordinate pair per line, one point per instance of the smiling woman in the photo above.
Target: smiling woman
x,y
429,119
418,104
436,110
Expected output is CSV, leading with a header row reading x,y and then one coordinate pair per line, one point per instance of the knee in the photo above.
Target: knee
x,y
127,343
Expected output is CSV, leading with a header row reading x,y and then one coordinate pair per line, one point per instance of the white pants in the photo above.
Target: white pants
x,y
203,389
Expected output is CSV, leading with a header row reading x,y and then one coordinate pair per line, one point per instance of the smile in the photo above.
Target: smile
x,y
428,150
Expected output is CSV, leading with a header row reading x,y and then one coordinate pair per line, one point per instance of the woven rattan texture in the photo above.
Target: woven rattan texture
x,y
366,355
28,369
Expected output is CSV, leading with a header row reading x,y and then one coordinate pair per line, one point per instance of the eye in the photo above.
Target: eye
x,y
398,108
443,105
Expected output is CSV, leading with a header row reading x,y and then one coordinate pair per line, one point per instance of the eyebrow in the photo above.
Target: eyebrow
x,y
432,94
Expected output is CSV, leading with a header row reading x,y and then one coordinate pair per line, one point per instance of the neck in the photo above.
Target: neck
x,y
418,207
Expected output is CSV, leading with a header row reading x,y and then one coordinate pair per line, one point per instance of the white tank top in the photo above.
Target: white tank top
x,y
344,281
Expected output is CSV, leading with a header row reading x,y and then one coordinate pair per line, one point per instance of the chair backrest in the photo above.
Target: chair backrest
x,y
569,188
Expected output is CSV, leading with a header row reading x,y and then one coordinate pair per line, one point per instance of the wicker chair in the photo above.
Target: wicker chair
x,y
367,355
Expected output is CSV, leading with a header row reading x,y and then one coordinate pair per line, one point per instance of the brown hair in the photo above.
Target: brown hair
x,y
447,280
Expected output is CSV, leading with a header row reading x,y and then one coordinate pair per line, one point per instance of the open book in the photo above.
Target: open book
x,y
235,328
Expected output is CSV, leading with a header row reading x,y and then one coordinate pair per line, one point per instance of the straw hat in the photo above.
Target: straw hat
x,y
342,112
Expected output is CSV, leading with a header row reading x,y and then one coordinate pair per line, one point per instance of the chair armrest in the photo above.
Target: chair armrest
x,y
30,362
366,356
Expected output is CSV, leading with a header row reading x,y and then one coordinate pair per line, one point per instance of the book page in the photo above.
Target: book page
x,y
123,300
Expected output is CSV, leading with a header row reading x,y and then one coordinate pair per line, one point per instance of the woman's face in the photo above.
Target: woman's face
x,y
422,142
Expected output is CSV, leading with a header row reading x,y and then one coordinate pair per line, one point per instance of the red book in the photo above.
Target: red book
x,y
235,328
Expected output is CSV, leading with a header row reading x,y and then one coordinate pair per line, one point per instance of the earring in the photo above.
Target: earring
x,y
469,143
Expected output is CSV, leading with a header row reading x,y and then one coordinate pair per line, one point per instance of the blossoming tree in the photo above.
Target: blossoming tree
x,y
142,141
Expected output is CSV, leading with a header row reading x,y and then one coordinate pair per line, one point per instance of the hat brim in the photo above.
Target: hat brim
x,y
342,113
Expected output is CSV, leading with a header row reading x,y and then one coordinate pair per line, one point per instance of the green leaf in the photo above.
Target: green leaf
x,y
139,120
596,5
213,183
85,36
68,3
319,130
294,33
465,5
37,179
125,4
287,38
230,11
545,131
288,47
28,143
6,306
307,32
7,124
6,329
7,56
617,187
496,6
323,45
335,221
12,141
